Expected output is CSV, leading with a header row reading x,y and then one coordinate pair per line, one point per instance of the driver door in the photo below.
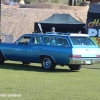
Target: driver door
x,y
17,50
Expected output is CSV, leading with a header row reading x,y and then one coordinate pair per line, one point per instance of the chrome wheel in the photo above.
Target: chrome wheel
x,y
48,63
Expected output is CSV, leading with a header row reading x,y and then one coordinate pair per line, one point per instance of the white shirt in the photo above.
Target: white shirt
x,y
54,33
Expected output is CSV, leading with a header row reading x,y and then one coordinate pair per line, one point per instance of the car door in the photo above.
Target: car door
x,y
64,50
54,47
16,51
33,50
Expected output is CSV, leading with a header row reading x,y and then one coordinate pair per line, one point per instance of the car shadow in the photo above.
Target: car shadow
x,y
94,68
30,68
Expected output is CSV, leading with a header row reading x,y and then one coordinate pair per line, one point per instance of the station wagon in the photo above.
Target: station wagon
x,y
73,50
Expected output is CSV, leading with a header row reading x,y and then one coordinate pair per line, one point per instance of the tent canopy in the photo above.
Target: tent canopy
x,y
62,23
94,11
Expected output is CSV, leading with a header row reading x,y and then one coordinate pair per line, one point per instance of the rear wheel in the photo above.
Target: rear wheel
x,y
1,58
48,63
75,67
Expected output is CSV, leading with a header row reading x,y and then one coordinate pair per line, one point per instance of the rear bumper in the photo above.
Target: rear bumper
x,y
84,61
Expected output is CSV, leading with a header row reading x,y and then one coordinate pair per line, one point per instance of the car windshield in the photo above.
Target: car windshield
x,y
82,41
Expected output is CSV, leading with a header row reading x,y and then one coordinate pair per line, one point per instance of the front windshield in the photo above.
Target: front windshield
x,y
82,41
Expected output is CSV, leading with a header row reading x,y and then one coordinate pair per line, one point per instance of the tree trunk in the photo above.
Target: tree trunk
x,y
70,2
74,2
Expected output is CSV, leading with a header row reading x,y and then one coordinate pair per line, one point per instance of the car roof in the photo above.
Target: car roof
x,y
39,34
78,35
61,35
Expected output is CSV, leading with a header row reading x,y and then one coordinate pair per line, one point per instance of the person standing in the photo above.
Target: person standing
x,y
53,30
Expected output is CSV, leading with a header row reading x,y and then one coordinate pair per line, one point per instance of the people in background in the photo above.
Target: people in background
x,y
53,30
14,3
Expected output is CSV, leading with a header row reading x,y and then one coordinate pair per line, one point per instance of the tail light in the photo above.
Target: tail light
x,y
75,56
98,56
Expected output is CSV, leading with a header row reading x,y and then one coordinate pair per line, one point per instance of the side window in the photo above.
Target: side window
x,y
62,42
46,40
24,40
36,40
49,40
55,41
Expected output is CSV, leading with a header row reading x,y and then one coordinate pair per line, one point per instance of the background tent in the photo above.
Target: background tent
x,y
93,22
62,23
94,11
93,19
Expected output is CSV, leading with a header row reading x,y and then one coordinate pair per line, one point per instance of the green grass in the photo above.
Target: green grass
x,y
33,83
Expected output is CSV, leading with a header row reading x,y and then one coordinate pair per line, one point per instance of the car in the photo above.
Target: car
x,y
73,50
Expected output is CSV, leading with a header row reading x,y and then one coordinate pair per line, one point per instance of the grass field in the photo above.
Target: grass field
x,y
23,82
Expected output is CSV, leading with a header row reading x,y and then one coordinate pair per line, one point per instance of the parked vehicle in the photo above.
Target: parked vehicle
x,y
73,50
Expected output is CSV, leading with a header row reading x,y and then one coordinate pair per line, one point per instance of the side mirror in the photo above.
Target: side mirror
x,y
16,43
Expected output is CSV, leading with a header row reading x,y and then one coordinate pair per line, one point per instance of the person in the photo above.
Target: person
x,y
13,3
53,30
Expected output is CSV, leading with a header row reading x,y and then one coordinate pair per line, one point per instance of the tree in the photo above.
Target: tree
x,y
74,2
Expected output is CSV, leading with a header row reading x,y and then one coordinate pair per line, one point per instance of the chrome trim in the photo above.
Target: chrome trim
x,y
83,61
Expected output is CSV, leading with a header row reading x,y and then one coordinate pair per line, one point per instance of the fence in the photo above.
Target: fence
x,y
6,38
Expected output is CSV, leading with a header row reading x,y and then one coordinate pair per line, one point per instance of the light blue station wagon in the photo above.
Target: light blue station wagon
x,y
73,50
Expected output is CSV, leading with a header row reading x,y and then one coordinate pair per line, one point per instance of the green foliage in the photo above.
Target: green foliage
x,y
55,1
45,1
78,2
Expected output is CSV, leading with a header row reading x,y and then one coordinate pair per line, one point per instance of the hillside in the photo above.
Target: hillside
x,y
17,21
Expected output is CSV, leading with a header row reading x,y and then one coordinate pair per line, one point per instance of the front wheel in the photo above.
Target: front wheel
x,y
1,59
48,63
75,67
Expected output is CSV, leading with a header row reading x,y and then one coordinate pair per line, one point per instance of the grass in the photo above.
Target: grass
x,y
33,83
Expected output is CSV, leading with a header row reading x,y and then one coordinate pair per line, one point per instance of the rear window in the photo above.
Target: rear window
x,y
82,41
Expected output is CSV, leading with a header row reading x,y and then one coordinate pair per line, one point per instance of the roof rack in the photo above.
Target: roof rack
x,y
68,34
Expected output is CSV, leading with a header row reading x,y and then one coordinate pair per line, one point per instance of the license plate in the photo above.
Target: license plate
x,y
88,62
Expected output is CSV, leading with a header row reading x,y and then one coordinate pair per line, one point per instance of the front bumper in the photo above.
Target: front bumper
x,y
84,61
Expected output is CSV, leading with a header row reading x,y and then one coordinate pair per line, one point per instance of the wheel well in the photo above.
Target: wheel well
x,y
42,56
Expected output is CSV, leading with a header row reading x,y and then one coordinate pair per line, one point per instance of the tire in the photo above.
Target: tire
x,y
25,63
75,67
48,64
1,58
